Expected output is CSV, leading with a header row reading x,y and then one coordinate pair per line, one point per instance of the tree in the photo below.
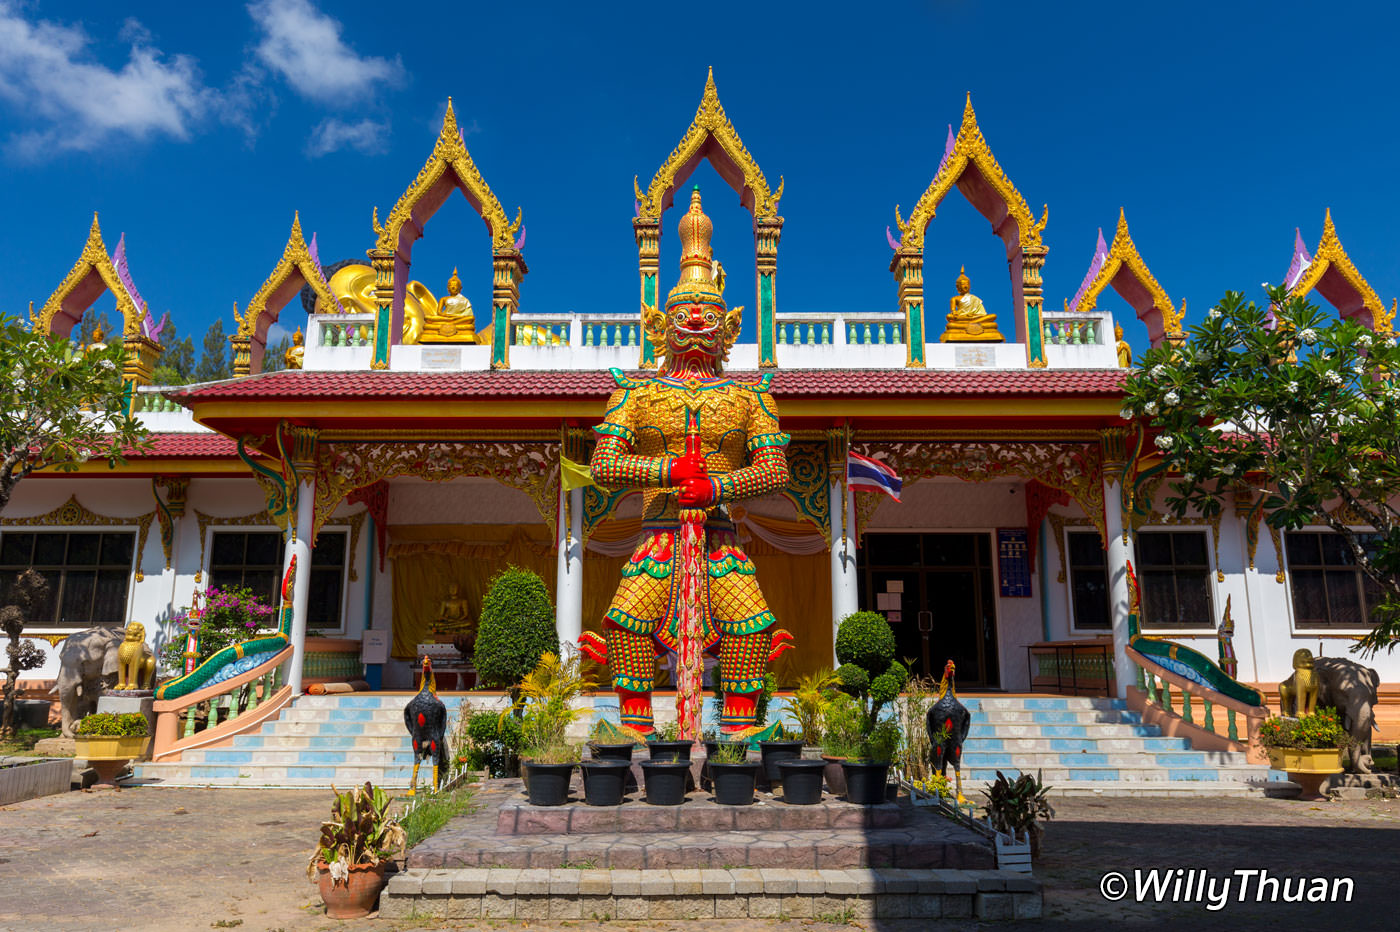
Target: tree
x,y
274,358
214,362
177,362
1293,408
59,405
29,592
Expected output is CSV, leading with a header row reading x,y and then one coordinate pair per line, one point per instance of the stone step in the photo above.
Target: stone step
x,y
1147,790
1137,774
349,757
1175,759
330,728
276,742
293,775
1091,744
1085,730
700,813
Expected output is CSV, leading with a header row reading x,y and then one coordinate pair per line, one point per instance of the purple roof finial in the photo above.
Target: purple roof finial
x,y
1096,266
894,243
152,330
124,274
316,259
1301,260
520,243
947,152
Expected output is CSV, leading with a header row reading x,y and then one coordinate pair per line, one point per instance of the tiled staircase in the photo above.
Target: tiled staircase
x,y
1082,746
1087,746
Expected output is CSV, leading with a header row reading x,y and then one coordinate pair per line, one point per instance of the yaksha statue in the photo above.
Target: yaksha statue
x,y
693,441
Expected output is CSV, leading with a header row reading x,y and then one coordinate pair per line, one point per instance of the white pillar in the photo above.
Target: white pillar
x,y
844,587
568,612
1119,553
300,547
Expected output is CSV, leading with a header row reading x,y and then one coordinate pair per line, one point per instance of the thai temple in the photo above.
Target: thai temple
x,y
412,447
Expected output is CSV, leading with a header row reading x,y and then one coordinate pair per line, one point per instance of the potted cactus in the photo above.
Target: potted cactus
x,y
356,847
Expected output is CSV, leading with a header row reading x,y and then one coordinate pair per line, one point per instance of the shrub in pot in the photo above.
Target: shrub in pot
x,y
488,741
867,763
516,629
665,743
1309,748
356,847
842,725
1018,807
810,699
865,647
108,740
547,696
732,774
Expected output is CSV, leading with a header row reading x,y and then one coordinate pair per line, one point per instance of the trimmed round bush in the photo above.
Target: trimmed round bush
x,y
885,687
853,679
516,629
866,640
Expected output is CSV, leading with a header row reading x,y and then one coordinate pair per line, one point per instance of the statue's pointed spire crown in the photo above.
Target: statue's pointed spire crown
x,y
700,279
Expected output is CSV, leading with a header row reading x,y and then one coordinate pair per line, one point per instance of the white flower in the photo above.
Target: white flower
x,y
1308,335
1172,398
1214,313
1331,378
1264,285
1358,368
1363,340
1189,477
1164,442
108,365
1126,414
1228,469
1150,408
1292,387
340,871
1159,370
1390,340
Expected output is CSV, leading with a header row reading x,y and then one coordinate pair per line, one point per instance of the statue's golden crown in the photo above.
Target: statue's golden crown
x,y
702,278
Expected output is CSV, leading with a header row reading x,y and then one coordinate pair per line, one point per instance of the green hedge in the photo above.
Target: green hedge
x,y
517,627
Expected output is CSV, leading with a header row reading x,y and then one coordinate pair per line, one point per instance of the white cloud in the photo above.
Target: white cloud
x,y
48,73
304,46
367,136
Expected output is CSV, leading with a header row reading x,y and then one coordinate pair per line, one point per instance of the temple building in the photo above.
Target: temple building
x,y
412,448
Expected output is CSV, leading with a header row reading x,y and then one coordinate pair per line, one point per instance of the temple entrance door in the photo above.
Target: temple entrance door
x,y
951,577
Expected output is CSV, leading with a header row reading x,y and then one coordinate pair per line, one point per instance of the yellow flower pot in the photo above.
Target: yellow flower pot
x,y
1306,760
110,747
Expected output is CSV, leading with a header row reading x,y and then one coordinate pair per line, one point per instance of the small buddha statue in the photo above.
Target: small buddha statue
x,y
968,320
453,620
1125,352
296,353
97,342
452,320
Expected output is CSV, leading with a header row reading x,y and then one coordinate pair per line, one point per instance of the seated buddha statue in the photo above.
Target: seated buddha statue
x,y
454,624
452,320
968,320
296,353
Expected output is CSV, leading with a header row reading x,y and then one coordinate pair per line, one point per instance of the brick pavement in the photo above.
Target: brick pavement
x,y
155,863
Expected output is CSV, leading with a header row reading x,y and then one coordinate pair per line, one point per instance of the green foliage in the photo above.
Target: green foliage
x,y
765,696
842,726
113,725
730,752
1017,808
488,741
28,591
227,616
866,640
1312,405
517,627
433,812
814,692
911,710
60,405
214,360
1322,729
547,695
177,358
360,831
854,680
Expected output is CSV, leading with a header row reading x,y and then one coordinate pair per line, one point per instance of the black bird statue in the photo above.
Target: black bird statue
x,y
425,717
948,722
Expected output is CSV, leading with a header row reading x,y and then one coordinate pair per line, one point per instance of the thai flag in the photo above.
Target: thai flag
x,y
869,475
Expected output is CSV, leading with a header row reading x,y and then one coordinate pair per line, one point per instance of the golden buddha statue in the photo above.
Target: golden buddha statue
x,y
453,618
452,320
296,353
1125,352
968,320
96,343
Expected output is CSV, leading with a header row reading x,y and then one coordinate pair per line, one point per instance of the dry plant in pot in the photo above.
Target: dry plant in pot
x,y
356,847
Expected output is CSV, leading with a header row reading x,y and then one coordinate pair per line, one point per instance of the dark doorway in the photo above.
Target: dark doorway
x,y
950,577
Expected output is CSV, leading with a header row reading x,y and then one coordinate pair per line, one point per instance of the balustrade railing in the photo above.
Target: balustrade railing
x,y
347,332
1072,330
234,705
610,332
154,403
1233,720
815,329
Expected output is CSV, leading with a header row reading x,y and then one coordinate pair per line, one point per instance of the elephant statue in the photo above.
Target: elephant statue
x,y
89,661
1351,689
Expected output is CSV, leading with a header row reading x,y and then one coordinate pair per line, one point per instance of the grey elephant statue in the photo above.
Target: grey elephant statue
x,y
1351,689
89,661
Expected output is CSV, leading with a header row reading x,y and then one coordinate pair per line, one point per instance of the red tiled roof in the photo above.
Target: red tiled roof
x,y
290,385
187,446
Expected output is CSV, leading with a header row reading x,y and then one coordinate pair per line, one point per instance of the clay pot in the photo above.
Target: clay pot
x,y
835,776
356,898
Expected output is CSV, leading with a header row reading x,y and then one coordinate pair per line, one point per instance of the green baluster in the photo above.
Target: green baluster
x,y
1091,329
1151,687
214,705
1186,706
826,334
1210,715
880,334
1234,732
189,721
865,339
587,334
1166,696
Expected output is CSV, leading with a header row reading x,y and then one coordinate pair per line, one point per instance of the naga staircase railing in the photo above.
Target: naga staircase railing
x,y
1164,665
231,693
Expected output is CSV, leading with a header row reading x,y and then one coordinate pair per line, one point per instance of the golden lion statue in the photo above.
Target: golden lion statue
x,y
135,662
1297,695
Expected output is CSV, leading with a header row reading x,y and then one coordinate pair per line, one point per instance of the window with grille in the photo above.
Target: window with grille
x,y
89,574
1329,590
1174,572
253,559
1088,581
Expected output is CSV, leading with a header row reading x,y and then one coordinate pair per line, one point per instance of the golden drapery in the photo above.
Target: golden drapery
x,y
426,558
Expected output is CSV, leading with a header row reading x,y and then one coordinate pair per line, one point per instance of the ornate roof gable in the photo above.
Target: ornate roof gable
x,y
1123,268
91,275
1333,275
297,268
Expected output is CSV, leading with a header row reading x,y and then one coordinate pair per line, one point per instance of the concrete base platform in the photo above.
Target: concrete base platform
x,y
766,893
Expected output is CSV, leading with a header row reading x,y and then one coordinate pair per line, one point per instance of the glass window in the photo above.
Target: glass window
x,y
89,574
253,560
1174,573
1329,590
1088,579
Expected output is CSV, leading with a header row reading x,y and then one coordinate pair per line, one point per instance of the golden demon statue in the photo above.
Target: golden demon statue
x,y
135,661
693,441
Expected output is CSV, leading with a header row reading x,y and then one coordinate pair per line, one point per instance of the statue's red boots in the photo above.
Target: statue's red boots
x,y
739,711
636,710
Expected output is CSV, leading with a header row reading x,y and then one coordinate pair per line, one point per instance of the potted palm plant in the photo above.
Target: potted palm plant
x,y
547,694
867,763
356,847
732,774
1309,748
810,698
108,740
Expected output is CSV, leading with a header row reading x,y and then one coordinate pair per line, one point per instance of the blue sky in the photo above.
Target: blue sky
x,y
1219,127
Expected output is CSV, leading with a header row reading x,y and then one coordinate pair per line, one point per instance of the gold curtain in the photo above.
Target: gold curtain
x,y
798,590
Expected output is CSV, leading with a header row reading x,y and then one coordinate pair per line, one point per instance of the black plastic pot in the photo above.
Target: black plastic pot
x,y
734,783
547,784
775,751
865,781
32,713
604,781
670,750
665,781
802,781
711,747
612,751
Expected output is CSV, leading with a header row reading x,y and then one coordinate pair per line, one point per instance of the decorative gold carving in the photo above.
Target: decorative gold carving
x,y
1058,523
1075,468
809,486
1330,255
1277,538
1142,291
450,161
293,271
169,509
72,514
711,128
84,284
969,149
354,522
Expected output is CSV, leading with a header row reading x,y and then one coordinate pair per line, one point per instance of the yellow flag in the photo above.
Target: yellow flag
x,y
574,475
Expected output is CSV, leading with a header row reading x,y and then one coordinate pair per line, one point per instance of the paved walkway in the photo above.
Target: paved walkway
x,y
192,859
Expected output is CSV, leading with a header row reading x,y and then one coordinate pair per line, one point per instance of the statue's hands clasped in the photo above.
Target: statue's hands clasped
x,y
691,475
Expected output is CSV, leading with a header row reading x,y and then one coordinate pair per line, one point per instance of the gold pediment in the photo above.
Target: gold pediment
x,y
1123,269
92,274
295,270
1331,257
